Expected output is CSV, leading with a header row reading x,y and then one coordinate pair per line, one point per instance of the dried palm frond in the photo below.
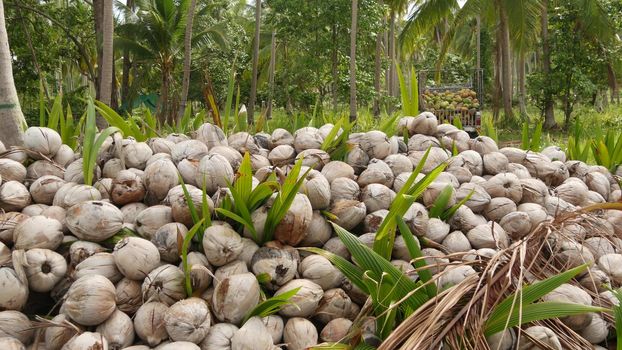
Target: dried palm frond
x,y
457,317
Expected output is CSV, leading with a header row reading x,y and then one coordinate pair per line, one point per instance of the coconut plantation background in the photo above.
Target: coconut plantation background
x,y
284,174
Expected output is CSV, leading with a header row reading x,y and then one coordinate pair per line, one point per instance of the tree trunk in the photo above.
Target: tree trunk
x,y
549,113
353,30
613,83
98,21
163,102
271,74
11,117
506,64
497,89
478,39
127,67
377,71
392,68
105,80
522,90
334,64
251,105
185,84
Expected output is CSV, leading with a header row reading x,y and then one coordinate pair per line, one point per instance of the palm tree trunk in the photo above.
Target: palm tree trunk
x,y
353,30
549,113
334,67
392,68
185,84
497,89
11,117
522,90
251,105
613,83
105,81
478,39
271,74
377,69
127,67
506,64
163,109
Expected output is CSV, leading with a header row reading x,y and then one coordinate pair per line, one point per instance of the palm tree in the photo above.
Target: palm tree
x,y
187,56
11,117
251,104
397,8
106,78
353,30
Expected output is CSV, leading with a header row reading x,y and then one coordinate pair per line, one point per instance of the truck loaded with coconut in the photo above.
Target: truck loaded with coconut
x,y
449,95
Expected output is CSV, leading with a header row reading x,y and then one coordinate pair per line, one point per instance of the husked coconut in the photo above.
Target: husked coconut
x,y
534,191
90,300
478,199
319,231
71,194
334,304
165,284
434,259
609,264
43,189
136,155
425,123
258,161
37,232
233,268
495,163
307,138
377,172
14,196
314,158
219,337
95,221
149,323
234,297
599,246
490,235
317,189
305,301
343,188
292,229
165,241
456,242
264,140
435,188
399,163
16,325
282,137
555,206
498,208
211,135
188,320
221,244
214,171
540,334
516,224
180,209
416,217
112,168
44,269
73,172
483,145
243,142
337,169
160,176
461,174
373,220
599,183
42,141
505,185
299,334
453,275
567,293
279,264
377,197
464,219
470,160
253,335
11,170
87,340
420,142
519,170
321,271
349,213
151,219
135,257
118,330
160,145
128,295
502,341
282,155
437,230
233,156
357,159
376,144
335,330
595,280
436,157
572,191
99,264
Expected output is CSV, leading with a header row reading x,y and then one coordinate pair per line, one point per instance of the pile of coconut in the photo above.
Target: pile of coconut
x,y
73,278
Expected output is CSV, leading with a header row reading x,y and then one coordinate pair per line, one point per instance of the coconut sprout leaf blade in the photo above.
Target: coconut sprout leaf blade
x,y
351,271
56,112
414,250
114,119
272,305
536,139
441,202
389,125
229,100
525,136
184,255
189,202
244,180
538,312
368,259
532,293
617,313
449,213
332,136
206,215
414,91
331,346
457,122
92,160
240,220
261,193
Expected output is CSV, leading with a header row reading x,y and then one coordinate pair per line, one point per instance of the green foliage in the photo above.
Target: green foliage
x,y
457,122
141,129
92,143
204,217
272,305
531,140
521,307
577,148
440,208
335,143
617,314
385,236
184,253
229,101
489,129
409,92
416,256
244,199
63,122
607,149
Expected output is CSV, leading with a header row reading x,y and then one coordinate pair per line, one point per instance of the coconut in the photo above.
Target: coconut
x,y
599,183
176,138
376,144
435,188
214,171
335,330
567,293
373,220
42,141
57,336
357,158
292,229
118,330
479,197
99,264
599,246
498,208
416,217
211,135
483,145
128,294
489,235
165,240
282,155
252,335
87,340
315,158
71,194
299,334
464,219
15,293
337,169
234,297
456,242
10,343
279,264
319,231
135,257
16,325
14,196
377,172
336,246
11,170
334,304
505,185
307,138
176,198
595,280
90,300
127,187
349,213
38,232
188,320
420,142
542,335
437,230
233,268
516,224
609,264
151,219
221,244
136,155
572,191
84,217
189,149
160,177
399,164
555,206
243,142
44,269
43,189
453,275
318,269
377,197
425,123
502,341
160,145
282,137
73,173
317,189
64,156
149,323
436,157
534,191
495,163
104,186
164,284
219,337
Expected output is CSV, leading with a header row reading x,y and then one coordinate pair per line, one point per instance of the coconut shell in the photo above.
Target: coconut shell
x,y
234,297
292,229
